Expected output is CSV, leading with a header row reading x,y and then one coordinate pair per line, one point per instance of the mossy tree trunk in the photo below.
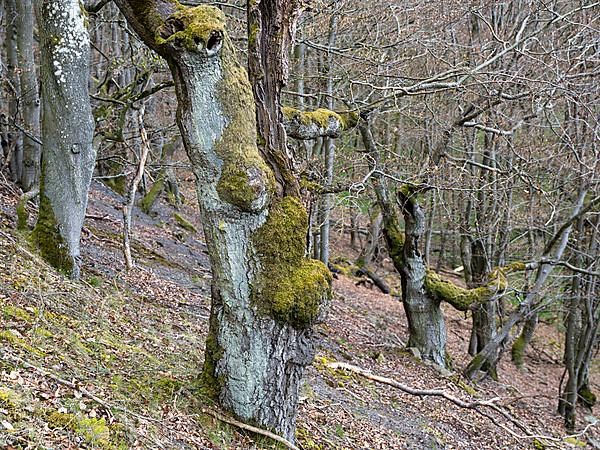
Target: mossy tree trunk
x,y
427,331
425,319
67,131
266,295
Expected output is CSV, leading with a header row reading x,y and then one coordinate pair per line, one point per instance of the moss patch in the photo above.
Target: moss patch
x,y
184,223
47,238
198,24
462,299
246,180
321,116
292,288
93,431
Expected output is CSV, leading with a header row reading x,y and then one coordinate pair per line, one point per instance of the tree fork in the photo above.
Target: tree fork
x,y
266,295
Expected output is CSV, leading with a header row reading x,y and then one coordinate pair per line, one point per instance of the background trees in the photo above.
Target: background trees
x,y
472,128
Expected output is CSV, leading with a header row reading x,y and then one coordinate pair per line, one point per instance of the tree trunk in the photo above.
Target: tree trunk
x,y
266,295
30,99
427,331
14,154
68,128
327,200
425,319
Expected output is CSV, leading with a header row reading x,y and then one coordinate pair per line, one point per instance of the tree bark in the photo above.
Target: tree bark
x,y
30,99
14,154
266,295
68,128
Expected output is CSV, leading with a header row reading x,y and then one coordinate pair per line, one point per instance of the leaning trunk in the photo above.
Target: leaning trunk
x,y
67,128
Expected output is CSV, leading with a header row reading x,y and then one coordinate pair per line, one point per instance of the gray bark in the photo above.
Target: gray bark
x,y
427,331
14,155
425,319
254,358
327,203
67,128
30,100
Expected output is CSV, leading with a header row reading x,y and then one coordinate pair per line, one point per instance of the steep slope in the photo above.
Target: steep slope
x,y
112,361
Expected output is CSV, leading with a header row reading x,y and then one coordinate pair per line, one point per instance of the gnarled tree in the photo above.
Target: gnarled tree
x,y
265,294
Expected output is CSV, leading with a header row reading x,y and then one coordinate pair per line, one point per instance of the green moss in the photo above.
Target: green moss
x,y
94,431
11,338
538,445
587,397
292,287
575,442
321,116
199,23
242,181
22,216
517,351
210,384
184,223
246,180
47,238
16,313
150,198
252,34
462,299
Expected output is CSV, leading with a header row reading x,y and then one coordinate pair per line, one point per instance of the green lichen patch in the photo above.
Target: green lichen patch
x,y
292,288
11,312
198,25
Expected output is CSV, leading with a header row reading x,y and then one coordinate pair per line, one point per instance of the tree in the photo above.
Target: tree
x,y
30,99
266,295
67,130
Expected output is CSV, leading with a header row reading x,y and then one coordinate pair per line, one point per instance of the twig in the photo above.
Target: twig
x,y
247,427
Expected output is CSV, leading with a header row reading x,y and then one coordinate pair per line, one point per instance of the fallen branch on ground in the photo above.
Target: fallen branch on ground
x,y
458,402
250,428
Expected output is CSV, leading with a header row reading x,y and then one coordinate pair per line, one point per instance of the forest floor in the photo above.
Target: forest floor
x,y
112,361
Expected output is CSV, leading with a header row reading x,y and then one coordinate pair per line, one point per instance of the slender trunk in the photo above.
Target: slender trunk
x,y
68,128
30,100
129,203
14,156
327,200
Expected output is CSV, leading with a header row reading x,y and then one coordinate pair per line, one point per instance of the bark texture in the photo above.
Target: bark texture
x,y
30,100
265,294
67,129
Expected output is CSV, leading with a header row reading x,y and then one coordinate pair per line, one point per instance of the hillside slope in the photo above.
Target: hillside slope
x,y
112,361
